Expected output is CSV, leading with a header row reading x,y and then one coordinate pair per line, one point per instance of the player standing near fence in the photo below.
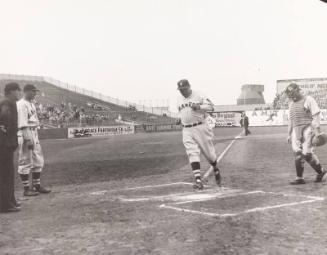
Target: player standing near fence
x,y
197,134
304,123
30,152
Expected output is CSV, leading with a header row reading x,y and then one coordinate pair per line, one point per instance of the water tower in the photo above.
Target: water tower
x,y
251,94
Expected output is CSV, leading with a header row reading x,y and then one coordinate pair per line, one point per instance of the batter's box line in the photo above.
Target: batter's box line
x,y
102,192
233,193
312,199
293,195
188,196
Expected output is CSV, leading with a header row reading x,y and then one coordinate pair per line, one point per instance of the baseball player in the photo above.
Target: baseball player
x,y
304,122
30,153
197,134
8,145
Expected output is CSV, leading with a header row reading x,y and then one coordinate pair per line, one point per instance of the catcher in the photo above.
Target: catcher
x,y
304,132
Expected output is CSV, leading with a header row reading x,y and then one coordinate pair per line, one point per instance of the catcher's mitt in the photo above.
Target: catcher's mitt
x,y
319,139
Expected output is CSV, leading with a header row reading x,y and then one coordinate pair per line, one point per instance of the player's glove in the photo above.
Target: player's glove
x,y
289,139
29,144
319,139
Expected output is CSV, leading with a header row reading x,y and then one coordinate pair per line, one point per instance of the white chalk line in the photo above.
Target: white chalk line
x,y
157,186
257,209
229,193
102,192
188,196
260,209
195,212
210,170
311,199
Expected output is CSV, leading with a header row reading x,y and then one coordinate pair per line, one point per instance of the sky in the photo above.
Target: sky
x,y
137,50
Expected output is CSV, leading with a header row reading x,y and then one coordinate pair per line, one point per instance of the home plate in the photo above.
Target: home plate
x,y
204,195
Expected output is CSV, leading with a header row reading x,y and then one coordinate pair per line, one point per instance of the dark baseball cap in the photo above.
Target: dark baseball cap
x,y
182,84
12,86
30,87
291,88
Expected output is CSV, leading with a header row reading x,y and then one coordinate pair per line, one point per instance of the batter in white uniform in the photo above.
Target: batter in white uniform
x,y
197,134
29,149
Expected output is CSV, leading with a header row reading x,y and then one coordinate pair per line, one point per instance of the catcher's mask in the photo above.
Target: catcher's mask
x,y
292,90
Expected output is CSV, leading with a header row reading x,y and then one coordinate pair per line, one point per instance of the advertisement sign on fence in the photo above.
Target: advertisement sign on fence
x,y
79,132
159,128
268,117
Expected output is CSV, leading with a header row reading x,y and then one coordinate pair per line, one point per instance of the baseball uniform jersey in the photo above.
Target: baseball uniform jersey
x,y
197,133
28,122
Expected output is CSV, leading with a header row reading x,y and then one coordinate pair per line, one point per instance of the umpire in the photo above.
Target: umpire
x,y
245,123
8,145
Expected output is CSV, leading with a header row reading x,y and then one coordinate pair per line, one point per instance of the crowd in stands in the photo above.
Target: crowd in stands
x,y
59,107
67,114
321,97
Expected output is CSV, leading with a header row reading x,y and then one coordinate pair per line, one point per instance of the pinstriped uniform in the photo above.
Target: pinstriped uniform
x,y
197,138
29,160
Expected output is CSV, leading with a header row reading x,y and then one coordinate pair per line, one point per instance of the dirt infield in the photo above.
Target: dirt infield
x,y
133,195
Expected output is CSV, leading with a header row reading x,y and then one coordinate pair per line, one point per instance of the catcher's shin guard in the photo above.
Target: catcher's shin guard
x,y
299,165
313,162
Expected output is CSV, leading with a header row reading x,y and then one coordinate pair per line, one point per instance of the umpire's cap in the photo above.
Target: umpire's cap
x,y
12,86
182,84
291,88
30,87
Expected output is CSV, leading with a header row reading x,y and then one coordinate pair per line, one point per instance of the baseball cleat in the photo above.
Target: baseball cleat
x,y
217,176
11,210
30,193
297,182
320,176
198,185
42,190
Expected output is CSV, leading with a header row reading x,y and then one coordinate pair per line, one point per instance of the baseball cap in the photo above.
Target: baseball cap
x,y
12,86
183,84
30,87
291,88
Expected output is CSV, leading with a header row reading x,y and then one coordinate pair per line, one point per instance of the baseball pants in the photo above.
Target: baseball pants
x,y
197,139
7,178
30,160
304,151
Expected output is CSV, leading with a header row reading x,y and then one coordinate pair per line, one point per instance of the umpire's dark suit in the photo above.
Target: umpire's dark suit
x,y
8,144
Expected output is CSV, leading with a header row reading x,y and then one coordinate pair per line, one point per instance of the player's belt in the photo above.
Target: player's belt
x,y
192,125
30,128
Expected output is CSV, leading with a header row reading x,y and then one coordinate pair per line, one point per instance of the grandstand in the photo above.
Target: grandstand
x,y
63,105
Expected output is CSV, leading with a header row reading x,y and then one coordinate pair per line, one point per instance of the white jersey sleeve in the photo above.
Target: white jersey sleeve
x,y
311,104
27,114
22,114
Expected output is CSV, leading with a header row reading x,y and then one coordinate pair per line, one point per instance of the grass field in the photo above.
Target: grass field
x,y
133,195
